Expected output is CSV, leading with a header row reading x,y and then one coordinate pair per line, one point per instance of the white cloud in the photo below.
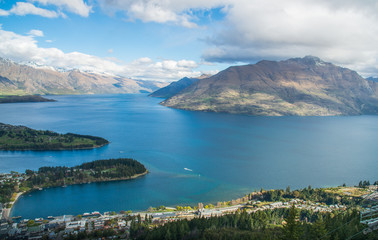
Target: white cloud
x,y
75,6
343,32
25,8
22,48
35,32
161,11
3,12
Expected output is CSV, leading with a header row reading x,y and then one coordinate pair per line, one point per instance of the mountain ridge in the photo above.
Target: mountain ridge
x,y
175,87
20,79
298,86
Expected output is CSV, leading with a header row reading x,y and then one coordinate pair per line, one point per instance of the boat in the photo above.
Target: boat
x,y
188,169
16,217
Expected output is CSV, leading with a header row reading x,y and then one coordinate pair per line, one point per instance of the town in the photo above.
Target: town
x,y
118,225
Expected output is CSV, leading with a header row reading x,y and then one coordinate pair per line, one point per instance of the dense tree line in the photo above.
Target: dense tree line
x,y
25,98
267,224
317,195
277,224
100,170
6,190
98,140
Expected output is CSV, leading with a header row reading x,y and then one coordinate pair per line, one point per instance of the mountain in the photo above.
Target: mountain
x,y
176,87
18,79
372,79
299,86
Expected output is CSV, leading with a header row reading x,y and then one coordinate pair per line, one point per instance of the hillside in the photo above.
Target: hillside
x,y
24,138
300,86
18,79
175,87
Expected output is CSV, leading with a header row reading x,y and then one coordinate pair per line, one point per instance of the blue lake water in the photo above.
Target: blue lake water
x,y
229,155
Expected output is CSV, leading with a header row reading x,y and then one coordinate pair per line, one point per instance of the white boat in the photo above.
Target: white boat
x,y
188,169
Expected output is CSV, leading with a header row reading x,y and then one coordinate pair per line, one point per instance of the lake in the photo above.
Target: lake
x,y
228,155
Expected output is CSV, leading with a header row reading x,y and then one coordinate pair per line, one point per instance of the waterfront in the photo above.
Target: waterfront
x,y
229,155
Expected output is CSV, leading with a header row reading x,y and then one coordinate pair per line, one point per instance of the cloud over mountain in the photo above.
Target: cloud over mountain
x,y
344,32
24,48
232,31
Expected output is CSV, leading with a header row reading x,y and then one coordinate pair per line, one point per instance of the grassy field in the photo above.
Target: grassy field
x,y
348,191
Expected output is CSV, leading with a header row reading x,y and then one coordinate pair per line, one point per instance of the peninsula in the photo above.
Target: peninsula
x,y
96,171
13,185
18,138
25,98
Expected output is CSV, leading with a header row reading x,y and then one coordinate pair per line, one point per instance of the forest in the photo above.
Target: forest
x,y
100,170
282,223
23,98
18,138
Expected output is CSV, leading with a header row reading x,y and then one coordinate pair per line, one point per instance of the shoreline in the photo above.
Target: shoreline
x,y
235,204
56,149
7,211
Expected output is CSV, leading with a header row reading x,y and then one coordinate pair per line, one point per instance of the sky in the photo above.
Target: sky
x,y
166,40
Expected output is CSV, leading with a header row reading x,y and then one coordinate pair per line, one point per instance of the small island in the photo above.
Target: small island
x,y
18,138
24,98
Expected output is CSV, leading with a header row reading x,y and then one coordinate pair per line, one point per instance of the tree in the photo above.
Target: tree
x,y
291,230
296,194
319,230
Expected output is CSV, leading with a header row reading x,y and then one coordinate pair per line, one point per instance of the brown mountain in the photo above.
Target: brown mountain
x,y
176,87
18,79
300,86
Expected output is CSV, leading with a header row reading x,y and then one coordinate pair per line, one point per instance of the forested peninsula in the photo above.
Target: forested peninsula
x,y
18,138
24,98
96,171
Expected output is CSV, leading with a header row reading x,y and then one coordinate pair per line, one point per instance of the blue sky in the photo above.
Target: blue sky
x,y
166,40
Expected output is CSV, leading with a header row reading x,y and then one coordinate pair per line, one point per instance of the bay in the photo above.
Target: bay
x,y
229,155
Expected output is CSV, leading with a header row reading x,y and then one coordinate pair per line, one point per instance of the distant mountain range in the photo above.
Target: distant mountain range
x,y
176,87
19,79
299,86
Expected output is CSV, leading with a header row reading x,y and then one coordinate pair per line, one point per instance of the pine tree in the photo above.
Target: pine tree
x,y
319,230
291,230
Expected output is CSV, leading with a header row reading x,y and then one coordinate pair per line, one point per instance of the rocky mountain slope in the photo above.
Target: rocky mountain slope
x,y
300,86
18,79
176,87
